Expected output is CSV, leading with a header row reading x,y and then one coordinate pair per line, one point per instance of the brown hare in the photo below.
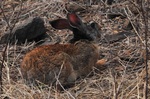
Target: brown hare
x,y
63,62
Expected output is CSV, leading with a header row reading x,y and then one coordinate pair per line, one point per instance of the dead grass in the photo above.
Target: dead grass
x,y
123,76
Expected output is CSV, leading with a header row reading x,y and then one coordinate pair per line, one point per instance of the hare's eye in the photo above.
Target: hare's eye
x,y
93,25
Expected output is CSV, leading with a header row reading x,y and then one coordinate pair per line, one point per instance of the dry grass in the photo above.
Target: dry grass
x,y
123,76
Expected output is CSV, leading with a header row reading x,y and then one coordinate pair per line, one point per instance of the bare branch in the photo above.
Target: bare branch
x,y
145,17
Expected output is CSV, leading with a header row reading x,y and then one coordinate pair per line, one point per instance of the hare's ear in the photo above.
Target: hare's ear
x,y
74,20
60,24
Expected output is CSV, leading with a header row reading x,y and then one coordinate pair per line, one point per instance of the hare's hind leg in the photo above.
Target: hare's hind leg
x,y
64,72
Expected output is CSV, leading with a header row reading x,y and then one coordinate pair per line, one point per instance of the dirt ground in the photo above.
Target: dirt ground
x,y
123,74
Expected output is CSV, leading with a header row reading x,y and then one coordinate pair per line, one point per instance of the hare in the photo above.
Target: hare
x,y
63,62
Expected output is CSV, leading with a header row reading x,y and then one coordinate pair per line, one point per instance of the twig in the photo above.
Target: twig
x,y
133,27
114,83
8,41
145,17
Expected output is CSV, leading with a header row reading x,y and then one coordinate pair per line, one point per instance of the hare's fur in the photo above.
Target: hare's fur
x,y
65,62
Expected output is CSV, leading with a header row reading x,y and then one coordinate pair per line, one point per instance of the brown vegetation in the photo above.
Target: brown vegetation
x,y
124,73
